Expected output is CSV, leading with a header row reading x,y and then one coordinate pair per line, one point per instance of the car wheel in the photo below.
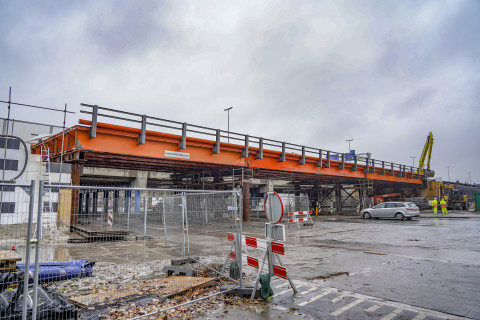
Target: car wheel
x,y
399,216
366,215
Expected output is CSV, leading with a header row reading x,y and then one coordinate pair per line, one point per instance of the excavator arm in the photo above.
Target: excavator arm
x,y
427,150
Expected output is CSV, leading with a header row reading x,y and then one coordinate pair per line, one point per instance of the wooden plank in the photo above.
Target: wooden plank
x,y
8,260
99,231
9,255
64,206
164,287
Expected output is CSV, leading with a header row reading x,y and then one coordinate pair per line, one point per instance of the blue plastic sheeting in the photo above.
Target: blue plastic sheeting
x,y
60,270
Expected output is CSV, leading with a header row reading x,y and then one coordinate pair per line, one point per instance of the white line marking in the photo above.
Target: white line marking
x,y
420,316
309,290
372,308
383,302
392,314
284,291
279,286
348,306
304,303
340,297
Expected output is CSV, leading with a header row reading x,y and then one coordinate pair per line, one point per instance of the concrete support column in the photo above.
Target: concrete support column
x,y
140,180
246,201
267,187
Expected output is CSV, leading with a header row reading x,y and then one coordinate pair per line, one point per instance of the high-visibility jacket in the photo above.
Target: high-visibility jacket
x,y
434,203
443,204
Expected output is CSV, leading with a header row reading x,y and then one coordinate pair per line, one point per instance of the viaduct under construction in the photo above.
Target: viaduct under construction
x,y
120,151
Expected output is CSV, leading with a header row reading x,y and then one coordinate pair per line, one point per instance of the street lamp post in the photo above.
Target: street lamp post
x,y
470,176
413,160
228,130
448,168
349,140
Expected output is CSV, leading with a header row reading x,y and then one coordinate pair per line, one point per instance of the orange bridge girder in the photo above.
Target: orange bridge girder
x,y
115,144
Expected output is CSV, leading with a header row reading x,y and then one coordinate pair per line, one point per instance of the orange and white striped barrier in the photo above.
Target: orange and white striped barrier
x,y
300,216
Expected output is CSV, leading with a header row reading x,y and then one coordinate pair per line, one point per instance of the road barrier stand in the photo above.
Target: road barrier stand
x,y
300,216
271,250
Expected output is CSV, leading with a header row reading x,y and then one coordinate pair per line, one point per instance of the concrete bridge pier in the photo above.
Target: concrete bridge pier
x,y
140,180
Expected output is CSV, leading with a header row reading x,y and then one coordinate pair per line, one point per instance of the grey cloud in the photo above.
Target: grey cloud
x,y
316,73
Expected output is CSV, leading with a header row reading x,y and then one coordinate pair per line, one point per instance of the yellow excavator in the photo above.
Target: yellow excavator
x,y
427,150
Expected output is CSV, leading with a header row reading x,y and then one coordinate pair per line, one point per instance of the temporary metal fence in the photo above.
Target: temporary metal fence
x,y
108,248
290,202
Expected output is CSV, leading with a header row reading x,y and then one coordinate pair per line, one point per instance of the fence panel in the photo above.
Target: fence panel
x,y
17,227
101,249
174,219
290,202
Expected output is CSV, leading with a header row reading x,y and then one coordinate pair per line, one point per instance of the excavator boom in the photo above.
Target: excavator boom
x,y
427,150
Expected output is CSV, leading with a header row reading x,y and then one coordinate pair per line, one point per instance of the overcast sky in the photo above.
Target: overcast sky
x,y
315,73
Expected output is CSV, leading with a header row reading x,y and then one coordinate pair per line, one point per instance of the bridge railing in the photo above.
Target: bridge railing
x,y
324,157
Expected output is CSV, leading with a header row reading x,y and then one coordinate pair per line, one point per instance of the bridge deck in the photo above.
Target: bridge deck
x,y
117,146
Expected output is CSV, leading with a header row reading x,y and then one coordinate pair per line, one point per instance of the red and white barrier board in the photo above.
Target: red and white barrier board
x,y
300,216
277,248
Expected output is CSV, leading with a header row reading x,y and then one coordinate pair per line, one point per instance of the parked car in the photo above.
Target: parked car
x,y
397,210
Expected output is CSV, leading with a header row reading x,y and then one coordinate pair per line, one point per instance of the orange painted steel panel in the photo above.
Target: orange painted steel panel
x,y
124,140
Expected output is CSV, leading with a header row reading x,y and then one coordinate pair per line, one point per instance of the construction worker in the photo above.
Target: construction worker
x,y
443,205
434,205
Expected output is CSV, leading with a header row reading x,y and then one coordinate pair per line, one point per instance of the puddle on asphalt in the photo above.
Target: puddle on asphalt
x,y
338,274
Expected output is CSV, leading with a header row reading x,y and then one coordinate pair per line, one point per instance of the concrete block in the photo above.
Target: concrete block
x,y
180,261
176,271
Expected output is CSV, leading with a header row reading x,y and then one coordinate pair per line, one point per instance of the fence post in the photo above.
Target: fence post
x,y
183,225
128,198
27,254
186,240
237,202
164,218
37,249
145,217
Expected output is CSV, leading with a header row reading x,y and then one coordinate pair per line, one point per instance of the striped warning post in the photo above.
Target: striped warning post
x,y
110,218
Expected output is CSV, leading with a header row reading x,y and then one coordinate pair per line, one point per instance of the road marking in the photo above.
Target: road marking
x,y
309,290
382,302
284,291
278,286
420,316
340,297
304,303
348,306
372,308
392,314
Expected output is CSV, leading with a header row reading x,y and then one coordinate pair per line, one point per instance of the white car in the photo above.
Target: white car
x,y
397,210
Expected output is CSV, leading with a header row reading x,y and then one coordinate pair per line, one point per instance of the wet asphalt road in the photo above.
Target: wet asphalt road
x,y
350,268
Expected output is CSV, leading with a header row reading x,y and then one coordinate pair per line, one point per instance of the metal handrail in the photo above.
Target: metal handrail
x,y
289,147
